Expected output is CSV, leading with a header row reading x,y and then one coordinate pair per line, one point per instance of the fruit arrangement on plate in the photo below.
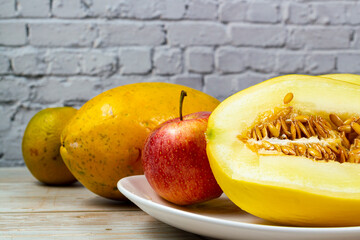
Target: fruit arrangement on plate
x,y
286,150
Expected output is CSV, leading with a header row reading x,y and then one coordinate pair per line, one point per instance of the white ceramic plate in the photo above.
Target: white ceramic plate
x,y
220,218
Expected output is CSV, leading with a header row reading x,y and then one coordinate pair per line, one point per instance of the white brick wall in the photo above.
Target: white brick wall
x,y
257,35
57,34
167,61
230,59
64,52
12,33
199,59
130,63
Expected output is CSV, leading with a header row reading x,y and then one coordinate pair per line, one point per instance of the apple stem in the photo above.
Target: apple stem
x,y
182,96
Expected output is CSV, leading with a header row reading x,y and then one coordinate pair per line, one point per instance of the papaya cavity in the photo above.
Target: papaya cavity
x,y
287,131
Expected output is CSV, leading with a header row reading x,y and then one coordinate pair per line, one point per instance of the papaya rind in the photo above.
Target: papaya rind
x,y
346,77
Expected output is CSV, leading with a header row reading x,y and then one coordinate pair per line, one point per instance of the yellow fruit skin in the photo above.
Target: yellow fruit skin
x,y
285,189
346,77
288,206
41,146
103,142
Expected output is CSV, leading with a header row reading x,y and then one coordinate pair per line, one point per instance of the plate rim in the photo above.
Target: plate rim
x,y
229,223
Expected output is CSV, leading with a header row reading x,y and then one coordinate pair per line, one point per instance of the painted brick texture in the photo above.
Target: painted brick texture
x,y
64,52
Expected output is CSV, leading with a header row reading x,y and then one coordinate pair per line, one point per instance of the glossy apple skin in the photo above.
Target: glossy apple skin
x,y
175,161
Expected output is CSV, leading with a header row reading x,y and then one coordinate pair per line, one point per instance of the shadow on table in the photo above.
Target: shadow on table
x,y
72,185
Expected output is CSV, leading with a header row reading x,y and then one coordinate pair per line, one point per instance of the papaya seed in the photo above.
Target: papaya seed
x,y
288,97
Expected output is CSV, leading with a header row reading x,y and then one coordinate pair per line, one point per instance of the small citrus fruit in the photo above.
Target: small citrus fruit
x,y
41,146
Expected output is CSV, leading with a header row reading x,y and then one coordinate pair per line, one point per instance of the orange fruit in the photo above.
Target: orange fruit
x,y
41,146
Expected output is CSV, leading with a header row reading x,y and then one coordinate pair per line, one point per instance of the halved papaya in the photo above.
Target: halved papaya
x,y
288,150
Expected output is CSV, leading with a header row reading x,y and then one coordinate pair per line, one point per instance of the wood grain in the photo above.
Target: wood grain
x,y
88,225
25,194
31,210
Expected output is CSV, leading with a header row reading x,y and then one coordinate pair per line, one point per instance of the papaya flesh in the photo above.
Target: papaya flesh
x,y
104,140
288,150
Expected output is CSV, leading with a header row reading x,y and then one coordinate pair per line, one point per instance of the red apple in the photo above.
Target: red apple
x,y
175,161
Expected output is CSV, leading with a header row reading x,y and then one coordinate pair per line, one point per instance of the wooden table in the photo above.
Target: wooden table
x,y
31,210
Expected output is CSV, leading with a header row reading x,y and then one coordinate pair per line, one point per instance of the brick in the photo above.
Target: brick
x,y
29,62
56,90
138,9
330,12
18,86
300,13
201,9
4,64
6,114
63,63
196,33
108,8
250,79
290,63
261,60
23,114
57,34
349,62
144,9
7,8
319,38
119,80
318,63
11,162
3,162
98,63
79,88
173,9
232,11
135,60
219,86
352,14
12,33
193,81
356,39
167,61
130,33
70,8
230,60
199,59
34,8
259,36
263,12
12,143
